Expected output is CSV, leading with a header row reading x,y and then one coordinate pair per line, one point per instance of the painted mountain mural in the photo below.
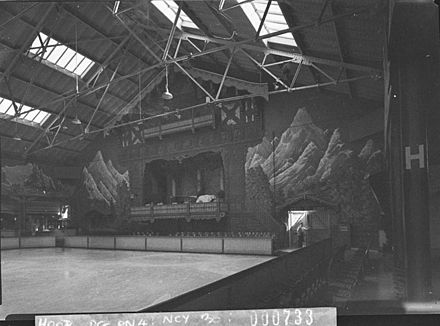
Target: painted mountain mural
x,y
310,161
103,188
30,179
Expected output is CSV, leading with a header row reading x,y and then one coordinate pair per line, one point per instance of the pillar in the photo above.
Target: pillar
x,y
414,63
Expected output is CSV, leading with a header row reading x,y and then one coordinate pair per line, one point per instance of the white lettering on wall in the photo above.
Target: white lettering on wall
x,y
420,156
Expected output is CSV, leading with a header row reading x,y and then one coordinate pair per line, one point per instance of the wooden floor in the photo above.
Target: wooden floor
x,y
57,280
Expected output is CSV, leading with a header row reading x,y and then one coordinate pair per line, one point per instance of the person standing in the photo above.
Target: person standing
x,y
301,234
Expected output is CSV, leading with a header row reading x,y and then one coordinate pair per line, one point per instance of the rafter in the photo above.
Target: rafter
x,y
25,58
343,58
103,95
205,29
94,27
55,93
229,27
21,13
296,35
90,25
64,42
31,36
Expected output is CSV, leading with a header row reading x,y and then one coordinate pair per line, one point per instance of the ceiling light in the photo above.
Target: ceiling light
x,y
167,94
16,136
76,121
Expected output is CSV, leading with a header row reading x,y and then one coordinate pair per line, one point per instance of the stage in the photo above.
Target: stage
x,y
57,280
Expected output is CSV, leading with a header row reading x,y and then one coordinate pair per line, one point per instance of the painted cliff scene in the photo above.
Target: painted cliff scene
x,y
105,193
310,162
30,179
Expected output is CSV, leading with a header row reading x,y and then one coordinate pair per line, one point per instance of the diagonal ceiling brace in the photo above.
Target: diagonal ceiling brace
x,y
103,95
225,74
28,41
266,11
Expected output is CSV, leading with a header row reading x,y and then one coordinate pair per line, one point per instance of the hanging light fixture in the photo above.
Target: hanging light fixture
x,y
76,121
166,95
140,122
16,136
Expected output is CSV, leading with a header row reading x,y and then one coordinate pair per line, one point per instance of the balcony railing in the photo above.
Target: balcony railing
x,y
187,211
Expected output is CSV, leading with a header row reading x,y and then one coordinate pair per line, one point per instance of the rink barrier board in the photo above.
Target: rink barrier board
x,y
205,245
27,242
247,246
76,242
130,243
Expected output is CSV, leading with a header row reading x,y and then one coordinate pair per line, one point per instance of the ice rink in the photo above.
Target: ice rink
x,y
58,280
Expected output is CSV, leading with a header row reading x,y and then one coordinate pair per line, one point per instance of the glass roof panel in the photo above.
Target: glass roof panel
x,y
66,58
31,115
274,21
169,9
56,54
5,105
83,67
41,117
61,55
74,62
35,115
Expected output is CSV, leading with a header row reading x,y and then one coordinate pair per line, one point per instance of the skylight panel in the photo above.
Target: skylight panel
x,y
31,116
274,21
41,117
60,55
169,9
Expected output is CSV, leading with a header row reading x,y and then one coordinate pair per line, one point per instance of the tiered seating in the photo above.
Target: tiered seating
x,y
345,276
297,292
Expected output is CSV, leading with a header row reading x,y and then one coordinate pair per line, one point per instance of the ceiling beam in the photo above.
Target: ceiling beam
x,y
32,82
82,19
249,45
341,48
285,9
55,93
30,38
201,25
64,42
228,26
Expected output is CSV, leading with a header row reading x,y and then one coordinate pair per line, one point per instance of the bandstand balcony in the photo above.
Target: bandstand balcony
x,y
187,211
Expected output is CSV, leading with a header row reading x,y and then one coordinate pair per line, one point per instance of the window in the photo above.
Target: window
x,y
29,115
60,55
169,9
274,21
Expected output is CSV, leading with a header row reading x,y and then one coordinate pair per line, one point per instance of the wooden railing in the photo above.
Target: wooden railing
x,y
188,211
191,120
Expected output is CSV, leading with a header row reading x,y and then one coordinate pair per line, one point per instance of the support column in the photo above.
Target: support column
x,y
413,55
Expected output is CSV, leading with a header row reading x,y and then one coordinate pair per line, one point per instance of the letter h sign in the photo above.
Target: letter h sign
x,y
420,156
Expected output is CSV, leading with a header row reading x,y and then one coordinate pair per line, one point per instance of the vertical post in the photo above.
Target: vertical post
x,y
414,82
274,180
0,225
